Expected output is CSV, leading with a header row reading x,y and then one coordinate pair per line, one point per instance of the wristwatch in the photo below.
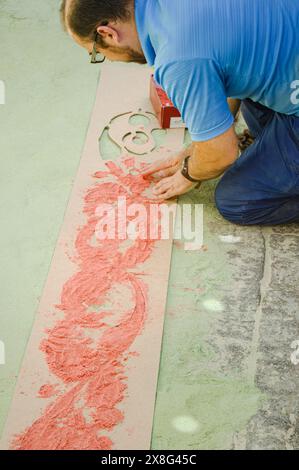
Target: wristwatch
x,y
185,172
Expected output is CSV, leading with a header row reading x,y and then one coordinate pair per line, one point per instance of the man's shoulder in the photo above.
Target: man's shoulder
x,y
169,66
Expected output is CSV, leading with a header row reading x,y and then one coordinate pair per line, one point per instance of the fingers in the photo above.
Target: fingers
x,y
162,186
159,166
164,190
154,168
170,194
165,173
169,163
171,187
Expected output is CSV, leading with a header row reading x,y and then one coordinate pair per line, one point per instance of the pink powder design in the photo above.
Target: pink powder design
x,y
92,372
47,391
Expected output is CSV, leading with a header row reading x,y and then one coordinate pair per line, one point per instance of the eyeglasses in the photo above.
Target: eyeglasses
x,y
96,57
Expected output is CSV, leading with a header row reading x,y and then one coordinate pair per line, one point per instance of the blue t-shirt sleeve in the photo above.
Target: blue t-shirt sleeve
x,y
197,90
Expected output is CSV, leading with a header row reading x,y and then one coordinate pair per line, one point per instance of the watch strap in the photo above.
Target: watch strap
x,y
185,171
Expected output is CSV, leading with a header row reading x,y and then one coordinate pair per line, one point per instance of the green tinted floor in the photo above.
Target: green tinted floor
x,y
226,378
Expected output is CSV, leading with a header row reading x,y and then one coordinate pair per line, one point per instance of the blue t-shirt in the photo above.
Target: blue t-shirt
x,y
204,51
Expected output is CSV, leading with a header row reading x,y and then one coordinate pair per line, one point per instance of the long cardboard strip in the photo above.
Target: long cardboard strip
x,y
90,370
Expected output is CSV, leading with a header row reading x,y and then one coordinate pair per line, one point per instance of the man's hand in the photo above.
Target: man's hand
x,y
209,160
172,186
168,172
167,167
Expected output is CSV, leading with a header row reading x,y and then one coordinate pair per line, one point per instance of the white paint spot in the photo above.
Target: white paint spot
x,y
185,424
2,92
229,239
193,246
213,305
2,353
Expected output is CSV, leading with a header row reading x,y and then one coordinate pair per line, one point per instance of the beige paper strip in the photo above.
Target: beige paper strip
x,y
122,89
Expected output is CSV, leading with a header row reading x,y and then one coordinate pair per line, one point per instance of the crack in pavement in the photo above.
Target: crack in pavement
x,y
264,286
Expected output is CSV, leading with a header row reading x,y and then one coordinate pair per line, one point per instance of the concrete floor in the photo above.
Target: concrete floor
x,y
50,91
226,378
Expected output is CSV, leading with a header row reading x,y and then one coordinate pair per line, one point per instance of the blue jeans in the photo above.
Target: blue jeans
x,y
262,187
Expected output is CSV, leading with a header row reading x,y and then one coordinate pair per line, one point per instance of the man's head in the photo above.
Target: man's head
x,y
110,22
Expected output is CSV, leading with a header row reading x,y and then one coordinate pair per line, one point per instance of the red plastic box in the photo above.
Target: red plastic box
x,y
168,116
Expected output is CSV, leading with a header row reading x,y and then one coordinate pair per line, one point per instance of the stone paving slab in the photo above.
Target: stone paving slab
x,y
226,379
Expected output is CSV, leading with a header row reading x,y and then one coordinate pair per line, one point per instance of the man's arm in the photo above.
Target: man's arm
x,y
234,106
197,89
212,158
208,160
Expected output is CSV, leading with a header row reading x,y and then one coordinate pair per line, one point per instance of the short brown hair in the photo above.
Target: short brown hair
x,y
84,16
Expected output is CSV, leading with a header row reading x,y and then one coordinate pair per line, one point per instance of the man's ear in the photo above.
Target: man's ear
x,y
108,33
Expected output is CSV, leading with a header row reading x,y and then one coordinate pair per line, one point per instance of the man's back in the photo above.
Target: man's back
x,y
213,49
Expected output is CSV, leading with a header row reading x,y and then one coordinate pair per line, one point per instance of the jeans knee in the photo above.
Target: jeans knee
x,y
229,209
261,212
